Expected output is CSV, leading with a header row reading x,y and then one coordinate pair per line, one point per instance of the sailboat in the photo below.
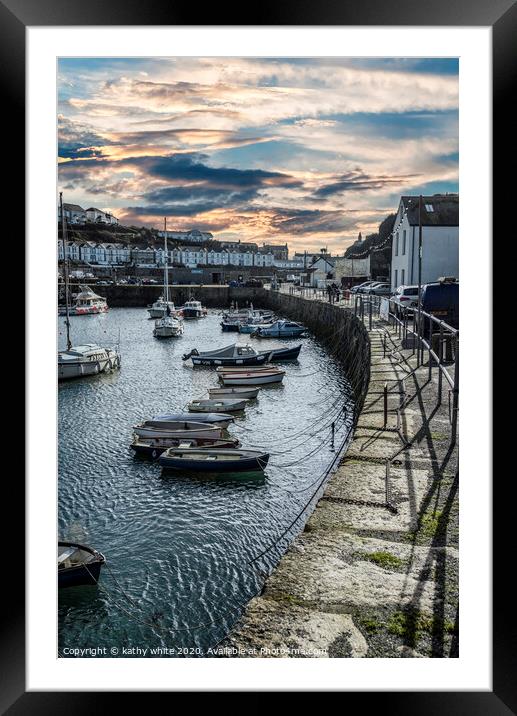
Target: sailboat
x,y
168,326
88,358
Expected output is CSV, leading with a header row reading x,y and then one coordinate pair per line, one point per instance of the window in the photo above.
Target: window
x,y
397,244
429,207
402,276
404,242
396,277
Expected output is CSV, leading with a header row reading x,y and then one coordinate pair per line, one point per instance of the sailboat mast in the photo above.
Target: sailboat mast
x,y
65,271
166,261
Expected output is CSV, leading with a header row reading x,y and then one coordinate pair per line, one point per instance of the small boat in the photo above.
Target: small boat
x,y
78,564
205,406
236,355
193,309
248,393
264,378
153,447
281,354
280,329
255,369
87,302
168,326
187,430
159,308
251,327
88,359
232,320
221,419
193,460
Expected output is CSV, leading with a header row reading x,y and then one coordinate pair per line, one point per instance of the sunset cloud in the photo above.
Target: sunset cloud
x,y
309,150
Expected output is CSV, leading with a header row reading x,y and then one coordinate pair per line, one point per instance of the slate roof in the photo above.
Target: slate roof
x,y
445,209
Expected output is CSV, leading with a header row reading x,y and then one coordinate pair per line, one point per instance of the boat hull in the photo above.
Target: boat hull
x,y
230,327
239,464
81,574
257,379
82,368
236,406
250,360
282,354
153,449
283,333
249,394
150,431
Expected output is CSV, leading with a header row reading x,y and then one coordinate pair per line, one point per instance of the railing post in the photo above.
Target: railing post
x,y
455,395
370,315
440,361
385,404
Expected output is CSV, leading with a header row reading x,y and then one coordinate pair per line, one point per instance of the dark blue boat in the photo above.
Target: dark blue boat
x,y
206,460
78,564
280,354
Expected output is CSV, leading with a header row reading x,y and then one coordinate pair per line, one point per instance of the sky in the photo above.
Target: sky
x,y
308,151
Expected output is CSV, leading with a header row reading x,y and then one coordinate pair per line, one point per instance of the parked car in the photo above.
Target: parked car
x,y
404,297
379,289
362,286
441,299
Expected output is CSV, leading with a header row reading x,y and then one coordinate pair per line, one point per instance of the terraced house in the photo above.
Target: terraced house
x,y
440,239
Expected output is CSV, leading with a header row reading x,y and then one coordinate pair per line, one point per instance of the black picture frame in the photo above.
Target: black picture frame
x,y
501,15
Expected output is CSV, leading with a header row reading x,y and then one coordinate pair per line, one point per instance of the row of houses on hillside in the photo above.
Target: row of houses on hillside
x,y
75,214
108,254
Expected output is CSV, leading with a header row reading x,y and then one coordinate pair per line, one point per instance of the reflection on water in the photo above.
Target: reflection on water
x,y
178,546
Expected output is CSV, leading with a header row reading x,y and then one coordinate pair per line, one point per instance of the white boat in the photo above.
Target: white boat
x,y
168,327
87,302
193,309
177,429
259,378
169,324
280,329
223,404
159,308
248,393
89,358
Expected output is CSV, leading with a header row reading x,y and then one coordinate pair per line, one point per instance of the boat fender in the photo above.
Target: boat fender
x,y
154,454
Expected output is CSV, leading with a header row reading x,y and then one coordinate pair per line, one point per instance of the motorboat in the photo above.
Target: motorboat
x,y
281,354
87,302
280,329
207,460
228,405
153,447
78,564
251,327
248,393
159,308
222,419
193,309
258,378
86,359
233,355
184,429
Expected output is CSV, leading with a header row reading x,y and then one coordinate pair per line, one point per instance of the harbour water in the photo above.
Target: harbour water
x,y
179,547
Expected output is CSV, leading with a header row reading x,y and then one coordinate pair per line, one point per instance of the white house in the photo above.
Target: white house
x,y
321,270
440,239
100,217
74,214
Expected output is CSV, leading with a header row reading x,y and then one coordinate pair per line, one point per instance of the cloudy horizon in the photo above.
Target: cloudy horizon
x,y
305,151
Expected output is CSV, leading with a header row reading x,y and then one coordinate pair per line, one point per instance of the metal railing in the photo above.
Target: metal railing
x,y
434,341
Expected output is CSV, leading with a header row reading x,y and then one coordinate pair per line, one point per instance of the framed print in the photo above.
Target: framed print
x,y
279,508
